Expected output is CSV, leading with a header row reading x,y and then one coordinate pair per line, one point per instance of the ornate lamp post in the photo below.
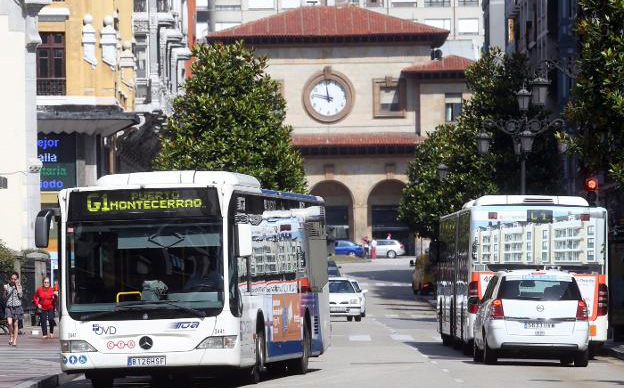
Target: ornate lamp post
x,y
442,170
524,130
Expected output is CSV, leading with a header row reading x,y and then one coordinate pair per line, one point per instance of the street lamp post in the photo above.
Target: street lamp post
x,y
524,130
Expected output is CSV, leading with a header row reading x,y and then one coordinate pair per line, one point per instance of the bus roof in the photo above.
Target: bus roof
x,y
155,178
490,200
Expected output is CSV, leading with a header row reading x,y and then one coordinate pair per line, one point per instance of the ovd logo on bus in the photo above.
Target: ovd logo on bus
x,y
99,330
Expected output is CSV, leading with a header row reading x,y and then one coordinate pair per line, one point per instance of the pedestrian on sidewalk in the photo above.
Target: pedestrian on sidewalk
x,y
13,311
373,245
45,300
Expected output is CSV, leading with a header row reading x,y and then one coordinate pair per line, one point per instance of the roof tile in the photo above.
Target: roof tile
x,y
446,64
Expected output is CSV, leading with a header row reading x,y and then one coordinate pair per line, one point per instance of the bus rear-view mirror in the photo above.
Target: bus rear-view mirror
x,y
42,227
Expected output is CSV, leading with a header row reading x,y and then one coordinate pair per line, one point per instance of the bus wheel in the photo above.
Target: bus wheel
x,y
101,381
260,358
299,366
446,339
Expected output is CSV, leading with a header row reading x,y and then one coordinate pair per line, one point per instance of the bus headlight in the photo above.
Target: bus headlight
x,y
219,342
76,346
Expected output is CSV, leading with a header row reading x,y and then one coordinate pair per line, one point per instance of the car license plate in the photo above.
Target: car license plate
x,y
147,361
337,309
539,325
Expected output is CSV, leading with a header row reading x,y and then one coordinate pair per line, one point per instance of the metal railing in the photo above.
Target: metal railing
x,y
468,3
51,86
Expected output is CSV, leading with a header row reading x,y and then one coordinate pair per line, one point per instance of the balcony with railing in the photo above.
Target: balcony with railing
x,y
51,86
468,3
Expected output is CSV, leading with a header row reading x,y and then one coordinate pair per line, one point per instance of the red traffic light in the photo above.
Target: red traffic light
x,y
591,184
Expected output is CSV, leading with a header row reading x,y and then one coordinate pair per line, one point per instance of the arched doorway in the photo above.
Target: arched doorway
x,y
383,206
338,207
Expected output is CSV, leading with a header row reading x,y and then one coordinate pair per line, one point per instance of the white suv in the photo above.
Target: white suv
x,y
532,313
389,248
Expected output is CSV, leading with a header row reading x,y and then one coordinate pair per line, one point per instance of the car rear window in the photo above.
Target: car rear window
x,y
340,287
538,289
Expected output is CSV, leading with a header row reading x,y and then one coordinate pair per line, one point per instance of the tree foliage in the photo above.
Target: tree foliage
x,y
231,118
493,81
7,260
598,105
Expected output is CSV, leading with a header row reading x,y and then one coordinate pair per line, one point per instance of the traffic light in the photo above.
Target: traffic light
x,y
590,186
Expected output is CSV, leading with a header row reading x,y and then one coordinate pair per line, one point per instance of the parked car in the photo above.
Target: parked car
x,y
349,248
390,248
529,313
362,294
344,301
333,270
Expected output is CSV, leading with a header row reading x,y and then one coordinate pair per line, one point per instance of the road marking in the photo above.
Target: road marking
x,y
380,284
402,337
363,284
434,362
361,337
459,380
396,284
392,315
445,370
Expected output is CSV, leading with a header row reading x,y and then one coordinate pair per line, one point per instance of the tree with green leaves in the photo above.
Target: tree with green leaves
x,y
493,81
597,108
231,118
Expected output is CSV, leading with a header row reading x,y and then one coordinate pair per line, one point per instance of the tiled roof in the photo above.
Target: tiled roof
x,y
323,23
354,140
450,63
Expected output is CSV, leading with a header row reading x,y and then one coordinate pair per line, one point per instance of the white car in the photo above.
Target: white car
x,y
362,294
390,248
344,300
532,313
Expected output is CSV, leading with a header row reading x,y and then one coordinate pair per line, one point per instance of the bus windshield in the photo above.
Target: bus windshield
x,y
158,270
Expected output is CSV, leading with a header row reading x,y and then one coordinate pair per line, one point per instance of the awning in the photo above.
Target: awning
x,y
101,120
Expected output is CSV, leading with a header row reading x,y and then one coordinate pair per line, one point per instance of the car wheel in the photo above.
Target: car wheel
x,y
581,359
468,347
349,318
391,254
446,339
358,318
566,360
489,354
364,314
477,354
351,253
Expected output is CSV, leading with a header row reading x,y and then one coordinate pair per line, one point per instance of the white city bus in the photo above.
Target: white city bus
x,y
498,232
177,272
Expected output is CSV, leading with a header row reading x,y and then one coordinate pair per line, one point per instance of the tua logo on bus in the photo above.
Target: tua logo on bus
x,y
185,325
99,330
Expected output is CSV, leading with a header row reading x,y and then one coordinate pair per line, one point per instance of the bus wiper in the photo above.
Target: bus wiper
x,y
195,312
99,314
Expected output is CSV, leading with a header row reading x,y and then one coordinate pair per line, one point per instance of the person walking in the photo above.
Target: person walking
x,y
373,245
13,311
45,300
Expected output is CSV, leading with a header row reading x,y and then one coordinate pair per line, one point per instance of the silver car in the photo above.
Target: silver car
x,y
390,248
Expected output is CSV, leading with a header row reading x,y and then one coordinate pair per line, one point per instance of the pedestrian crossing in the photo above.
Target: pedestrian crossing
x,y
384,284
28,353
374,338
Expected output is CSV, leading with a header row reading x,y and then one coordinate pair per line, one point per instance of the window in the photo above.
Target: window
x,y
468,3
529,257
388,97
453,106
140,5
374,3
544,245
261,4
590,243
545,234
468,26
544,257
590,230
590,256
440,23
404,3
437,3
163,5
140,53
51,64
228,7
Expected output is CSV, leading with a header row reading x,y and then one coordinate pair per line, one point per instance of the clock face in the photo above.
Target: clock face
x,y
328,97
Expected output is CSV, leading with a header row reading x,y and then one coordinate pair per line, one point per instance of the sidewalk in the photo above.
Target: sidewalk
x,y
34,363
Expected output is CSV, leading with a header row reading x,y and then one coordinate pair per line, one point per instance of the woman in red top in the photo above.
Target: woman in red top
x,y
45,300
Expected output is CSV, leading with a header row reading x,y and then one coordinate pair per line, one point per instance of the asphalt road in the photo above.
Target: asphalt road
x,y
396,345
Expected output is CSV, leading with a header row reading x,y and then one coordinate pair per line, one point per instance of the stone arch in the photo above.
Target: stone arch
x,y
383,202
338,206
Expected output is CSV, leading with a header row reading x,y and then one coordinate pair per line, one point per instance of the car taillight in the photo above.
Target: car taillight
x,y
473,297
581,310
496,309
603,299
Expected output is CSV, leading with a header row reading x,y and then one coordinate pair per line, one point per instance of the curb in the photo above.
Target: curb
x,y
610,352
51,381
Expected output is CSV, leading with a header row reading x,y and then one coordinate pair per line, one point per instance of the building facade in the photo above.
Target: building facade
x,y
494,24
19,169
463,18
85,90
360,93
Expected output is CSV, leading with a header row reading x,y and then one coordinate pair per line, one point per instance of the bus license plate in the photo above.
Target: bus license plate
x,y
147,361
539,325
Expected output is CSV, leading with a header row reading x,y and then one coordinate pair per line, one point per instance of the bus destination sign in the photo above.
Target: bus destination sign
x,y
152,203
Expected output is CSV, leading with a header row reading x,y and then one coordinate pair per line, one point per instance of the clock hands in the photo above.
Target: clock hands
x,y
324,97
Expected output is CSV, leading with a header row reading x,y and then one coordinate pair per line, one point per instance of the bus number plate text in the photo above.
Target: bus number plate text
x,y
147,361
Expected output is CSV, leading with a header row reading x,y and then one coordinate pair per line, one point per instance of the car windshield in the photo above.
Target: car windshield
x,y
165,270
340,287
539,289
